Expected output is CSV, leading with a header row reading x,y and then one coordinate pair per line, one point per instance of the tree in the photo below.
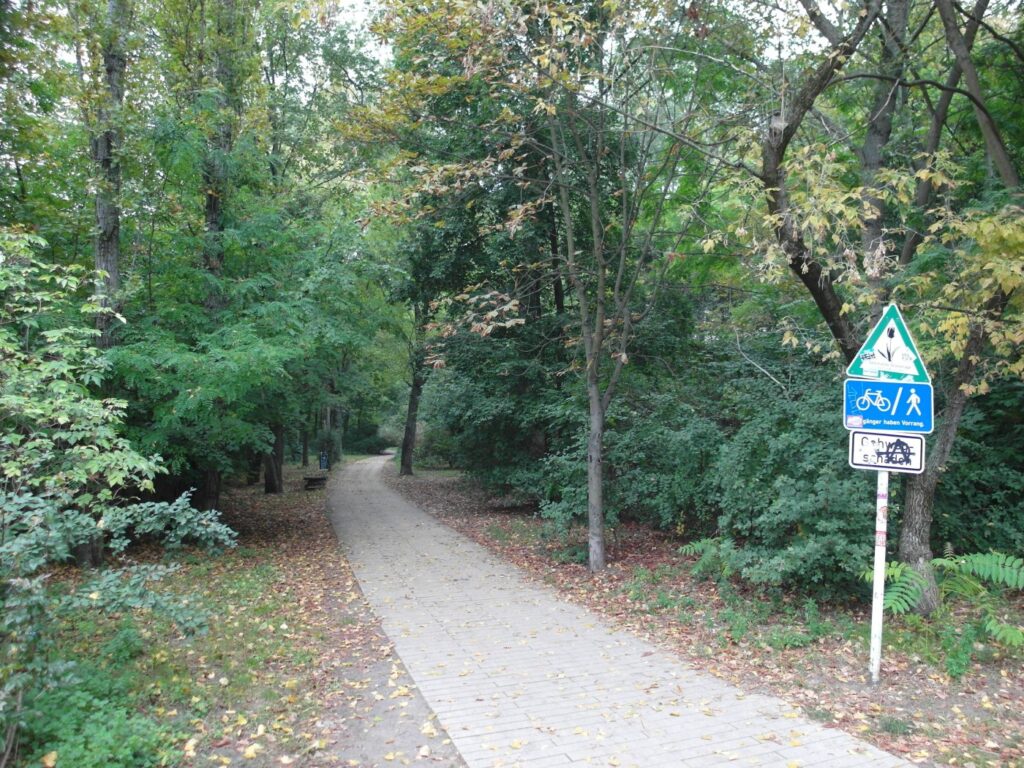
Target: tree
x,y
580,110
101,54
812,213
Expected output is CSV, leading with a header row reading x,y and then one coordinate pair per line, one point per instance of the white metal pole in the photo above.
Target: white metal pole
x,y
878,591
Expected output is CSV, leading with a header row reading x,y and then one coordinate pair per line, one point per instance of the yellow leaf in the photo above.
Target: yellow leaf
x,y
49,759
428,730
252,751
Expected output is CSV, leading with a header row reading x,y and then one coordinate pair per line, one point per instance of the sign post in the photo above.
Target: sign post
x,y
887,406
878,584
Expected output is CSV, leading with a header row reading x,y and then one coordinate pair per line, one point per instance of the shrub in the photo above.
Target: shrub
x,y
796,512
91,731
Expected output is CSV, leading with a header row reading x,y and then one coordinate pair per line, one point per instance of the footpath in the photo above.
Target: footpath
x,y
519,677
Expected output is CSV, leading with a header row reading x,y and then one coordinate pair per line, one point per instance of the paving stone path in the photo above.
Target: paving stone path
x,y
519,677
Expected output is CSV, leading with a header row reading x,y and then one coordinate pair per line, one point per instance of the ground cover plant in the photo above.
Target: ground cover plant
x,y
813,654
291,667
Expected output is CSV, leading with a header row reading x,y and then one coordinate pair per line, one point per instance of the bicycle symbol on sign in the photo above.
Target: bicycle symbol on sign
x,y
872,398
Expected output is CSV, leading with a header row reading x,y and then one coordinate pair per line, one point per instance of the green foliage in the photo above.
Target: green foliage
x,y
57,438
715,558
980,502
978,579
68,478
171,524
958,645
965,574
660,466
87,724
788,499
973,582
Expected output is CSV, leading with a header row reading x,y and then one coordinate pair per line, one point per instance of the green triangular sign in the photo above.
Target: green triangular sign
x,y
889,353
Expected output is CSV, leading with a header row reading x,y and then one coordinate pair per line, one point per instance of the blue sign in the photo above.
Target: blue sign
x,y
887,406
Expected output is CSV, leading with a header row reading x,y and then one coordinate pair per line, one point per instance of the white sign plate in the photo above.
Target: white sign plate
x,y
887,452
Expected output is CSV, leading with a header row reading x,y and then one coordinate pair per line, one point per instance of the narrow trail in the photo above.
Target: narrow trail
x,y
519,677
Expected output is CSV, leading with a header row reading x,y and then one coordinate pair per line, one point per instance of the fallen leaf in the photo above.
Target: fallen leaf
x,y
252,751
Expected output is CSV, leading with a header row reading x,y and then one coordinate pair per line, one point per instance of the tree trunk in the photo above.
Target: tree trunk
x,y
915,536
409,438
106,144
305,447
595,481
209,497
271,478
993,140
556,270
89,554
915,529
879,131
924,192
279,448
252,474
273,463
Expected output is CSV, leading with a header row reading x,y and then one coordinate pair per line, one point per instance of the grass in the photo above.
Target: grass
x,y
140,686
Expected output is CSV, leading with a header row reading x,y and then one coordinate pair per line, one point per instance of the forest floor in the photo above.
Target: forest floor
x,y
814,656
294,668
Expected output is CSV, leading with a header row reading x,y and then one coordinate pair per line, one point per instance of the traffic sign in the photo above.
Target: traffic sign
x,y
889,352
887,406
887,452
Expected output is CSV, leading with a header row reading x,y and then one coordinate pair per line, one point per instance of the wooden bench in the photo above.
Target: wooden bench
x,y
315,481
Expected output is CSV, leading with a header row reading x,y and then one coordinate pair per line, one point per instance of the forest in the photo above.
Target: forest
x,y
610,260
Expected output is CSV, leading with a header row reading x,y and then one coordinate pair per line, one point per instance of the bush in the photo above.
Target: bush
x,y
660,471
92,731
979,504
436,447
795,511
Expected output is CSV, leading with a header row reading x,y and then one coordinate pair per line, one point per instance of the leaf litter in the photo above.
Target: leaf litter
x,y
312,679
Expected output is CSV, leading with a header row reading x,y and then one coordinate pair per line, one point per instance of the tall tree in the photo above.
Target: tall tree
x,y
101,50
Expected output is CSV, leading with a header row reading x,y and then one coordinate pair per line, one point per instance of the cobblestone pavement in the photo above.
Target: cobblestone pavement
x,y
519,677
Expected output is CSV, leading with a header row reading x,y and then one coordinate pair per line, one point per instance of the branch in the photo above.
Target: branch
x,y
758,366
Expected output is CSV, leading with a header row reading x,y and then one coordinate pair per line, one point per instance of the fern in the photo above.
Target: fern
x,y
994,567
699,547
969,578
715,555
903,587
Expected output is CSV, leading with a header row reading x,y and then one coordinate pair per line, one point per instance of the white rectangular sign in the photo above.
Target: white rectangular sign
x,y
888,452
